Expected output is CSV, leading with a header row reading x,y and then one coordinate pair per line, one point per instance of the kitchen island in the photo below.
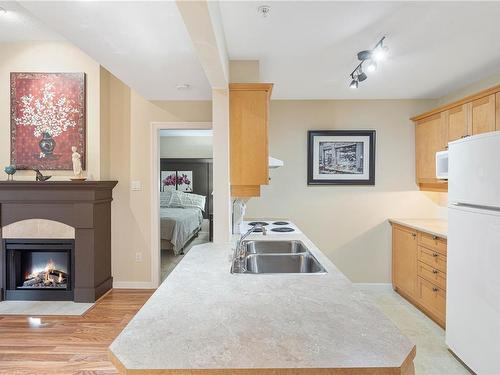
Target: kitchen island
x,y
205,320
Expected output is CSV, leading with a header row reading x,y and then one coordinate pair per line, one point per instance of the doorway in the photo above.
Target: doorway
x,y
183,187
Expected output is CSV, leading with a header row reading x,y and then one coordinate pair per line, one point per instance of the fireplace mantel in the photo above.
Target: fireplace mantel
x,y
83,205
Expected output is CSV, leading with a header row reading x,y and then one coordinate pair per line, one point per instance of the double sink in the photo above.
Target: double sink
x,y
268,257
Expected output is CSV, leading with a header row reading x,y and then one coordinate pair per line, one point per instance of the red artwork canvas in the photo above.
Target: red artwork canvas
x,y
47,119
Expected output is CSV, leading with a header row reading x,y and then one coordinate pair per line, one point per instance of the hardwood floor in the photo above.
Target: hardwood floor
x,y
68,345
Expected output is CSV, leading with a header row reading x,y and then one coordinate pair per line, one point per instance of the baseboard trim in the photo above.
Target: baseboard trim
x,y
133,285
373,286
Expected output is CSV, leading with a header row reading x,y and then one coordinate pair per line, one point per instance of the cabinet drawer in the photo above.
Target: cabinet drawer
x,y
432,242
432,258
432,274
432,298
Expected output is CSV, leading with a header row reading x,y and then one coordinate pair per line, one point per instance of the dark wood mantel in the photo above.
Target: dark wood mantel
x,y
84,205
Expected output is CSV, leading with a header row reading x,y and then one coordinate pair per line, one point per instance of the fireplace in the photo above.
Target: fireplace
x,y
51,229
39,269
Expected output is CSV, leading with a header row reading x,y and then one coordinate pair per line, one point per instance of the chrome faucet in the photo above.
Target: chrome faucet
x,y
239,250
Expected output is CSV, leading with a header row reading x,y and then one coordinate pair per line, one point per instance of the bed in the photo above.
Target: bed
x,y
178,226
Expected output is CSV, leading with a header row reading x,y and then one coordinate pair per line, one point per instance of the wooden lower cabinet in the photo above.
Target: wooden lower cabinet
x,y
433,300
404,260
419,270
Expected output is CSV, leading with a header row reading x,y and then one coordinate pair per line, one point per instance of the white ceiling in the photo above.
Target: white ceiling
x,y
144,43
18,25
308,49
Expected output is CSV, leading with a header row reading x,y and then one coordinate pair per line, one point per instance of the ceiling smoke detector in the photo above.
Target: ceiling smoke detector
x,y
264,10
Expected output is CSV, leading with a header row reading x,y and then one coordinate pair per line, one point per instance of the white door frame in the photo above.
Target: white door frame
x,y
155,192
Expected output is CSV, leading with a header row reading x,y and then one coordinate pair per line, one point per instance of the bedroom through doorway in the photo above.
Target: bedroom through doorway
x,y
186,194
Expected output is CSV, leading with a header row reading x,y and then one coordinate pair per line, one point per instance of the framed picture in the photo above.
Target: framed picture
x,y
47,118
176,180
168,180
185,181
341,157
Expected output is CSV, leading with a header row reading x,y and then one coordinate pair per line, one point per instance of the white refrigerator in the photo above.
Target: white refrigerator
x,y
473,284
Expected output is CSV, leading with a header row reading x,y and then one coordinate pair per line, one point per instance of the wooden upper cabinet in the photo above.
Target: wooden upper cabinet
x,y
249,117
474,114
483,115
457,120
404,260
430,137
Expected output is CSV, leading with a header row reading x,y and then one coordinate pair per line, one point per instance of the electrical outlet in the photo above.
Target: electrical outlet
x,y
138,257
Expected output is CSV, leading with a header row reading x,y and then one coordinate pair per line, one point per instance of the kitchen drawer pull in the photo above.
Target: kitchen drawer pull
x,y
435,255
435,289
435,272
414,235
434,238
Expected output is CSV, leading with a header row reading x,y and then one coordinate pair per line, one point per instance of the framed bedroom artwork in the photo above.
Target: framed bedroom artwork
x,y
341,157
47,118
176,180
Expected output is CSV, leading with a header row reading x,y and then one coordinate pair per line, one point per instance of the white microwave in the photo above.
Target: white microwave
x,y
442,165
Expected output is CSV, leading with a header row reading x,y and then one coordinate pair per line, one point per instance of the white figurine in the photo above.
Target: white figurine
x,y
77,163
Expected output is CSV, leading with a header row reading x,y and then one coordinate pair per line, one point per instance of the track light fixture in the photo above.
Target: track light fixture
x,y
371,57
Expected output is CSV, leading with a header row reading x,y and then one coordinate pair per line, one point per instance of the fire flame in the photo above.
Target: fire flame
x,y
60,278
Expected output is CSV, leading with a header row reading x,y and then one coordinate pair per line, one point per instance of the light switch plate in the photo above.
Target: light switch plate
x,y
136,186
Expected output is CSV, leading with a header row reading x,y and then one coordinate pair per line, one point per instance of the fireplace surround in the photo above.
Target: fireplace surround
x,y
81,246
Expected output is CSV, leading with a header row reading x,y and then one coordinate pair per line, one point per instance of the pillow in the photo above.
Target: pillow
x,y
181,199
165,198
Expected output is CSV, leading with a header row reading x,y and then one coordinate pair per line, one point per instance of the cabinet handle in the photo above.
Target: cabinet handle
x,y
435,255
435,272
435,289
434,238
414,235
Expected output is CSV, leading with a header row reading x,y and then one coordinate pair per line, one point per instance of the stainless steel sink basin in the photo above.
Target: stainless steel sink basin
x,y
282,263
274,247
276,257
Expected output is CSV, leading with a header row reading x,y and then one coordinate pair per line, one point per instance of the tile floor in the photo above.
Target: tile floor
x,y
169,261
433,357
37,308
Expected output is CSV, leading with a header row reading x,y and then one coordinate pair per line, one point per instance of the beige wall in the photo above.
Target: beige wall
x,y
50,57
244,71
130,152
349,223
483,84
186,147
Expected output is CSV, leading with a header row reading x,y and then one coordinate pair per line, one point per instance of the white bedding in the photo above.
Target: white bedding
x,y
178,225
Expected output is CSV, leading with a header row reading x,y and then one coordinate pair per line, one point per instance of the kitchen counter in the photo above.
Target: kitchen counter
x,y
436,227
205,318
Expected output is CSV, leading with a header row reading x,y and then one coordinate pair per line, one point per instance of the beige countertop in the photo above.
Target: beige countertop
x,y
436,227
204,317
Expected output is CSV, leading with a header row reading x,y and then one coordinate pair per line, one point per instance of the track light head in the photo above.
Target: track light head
x,y
371,66
380,53
364,55
362,76
354,84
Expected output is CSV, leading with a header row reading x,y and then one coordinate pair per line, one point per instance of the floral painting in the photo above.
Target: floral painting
x,y
177,180
47,119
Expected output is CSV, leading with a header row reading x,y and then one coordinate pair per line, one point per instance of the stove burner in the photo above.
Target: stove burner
x,y
283,229
254,223
257,230
281,223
